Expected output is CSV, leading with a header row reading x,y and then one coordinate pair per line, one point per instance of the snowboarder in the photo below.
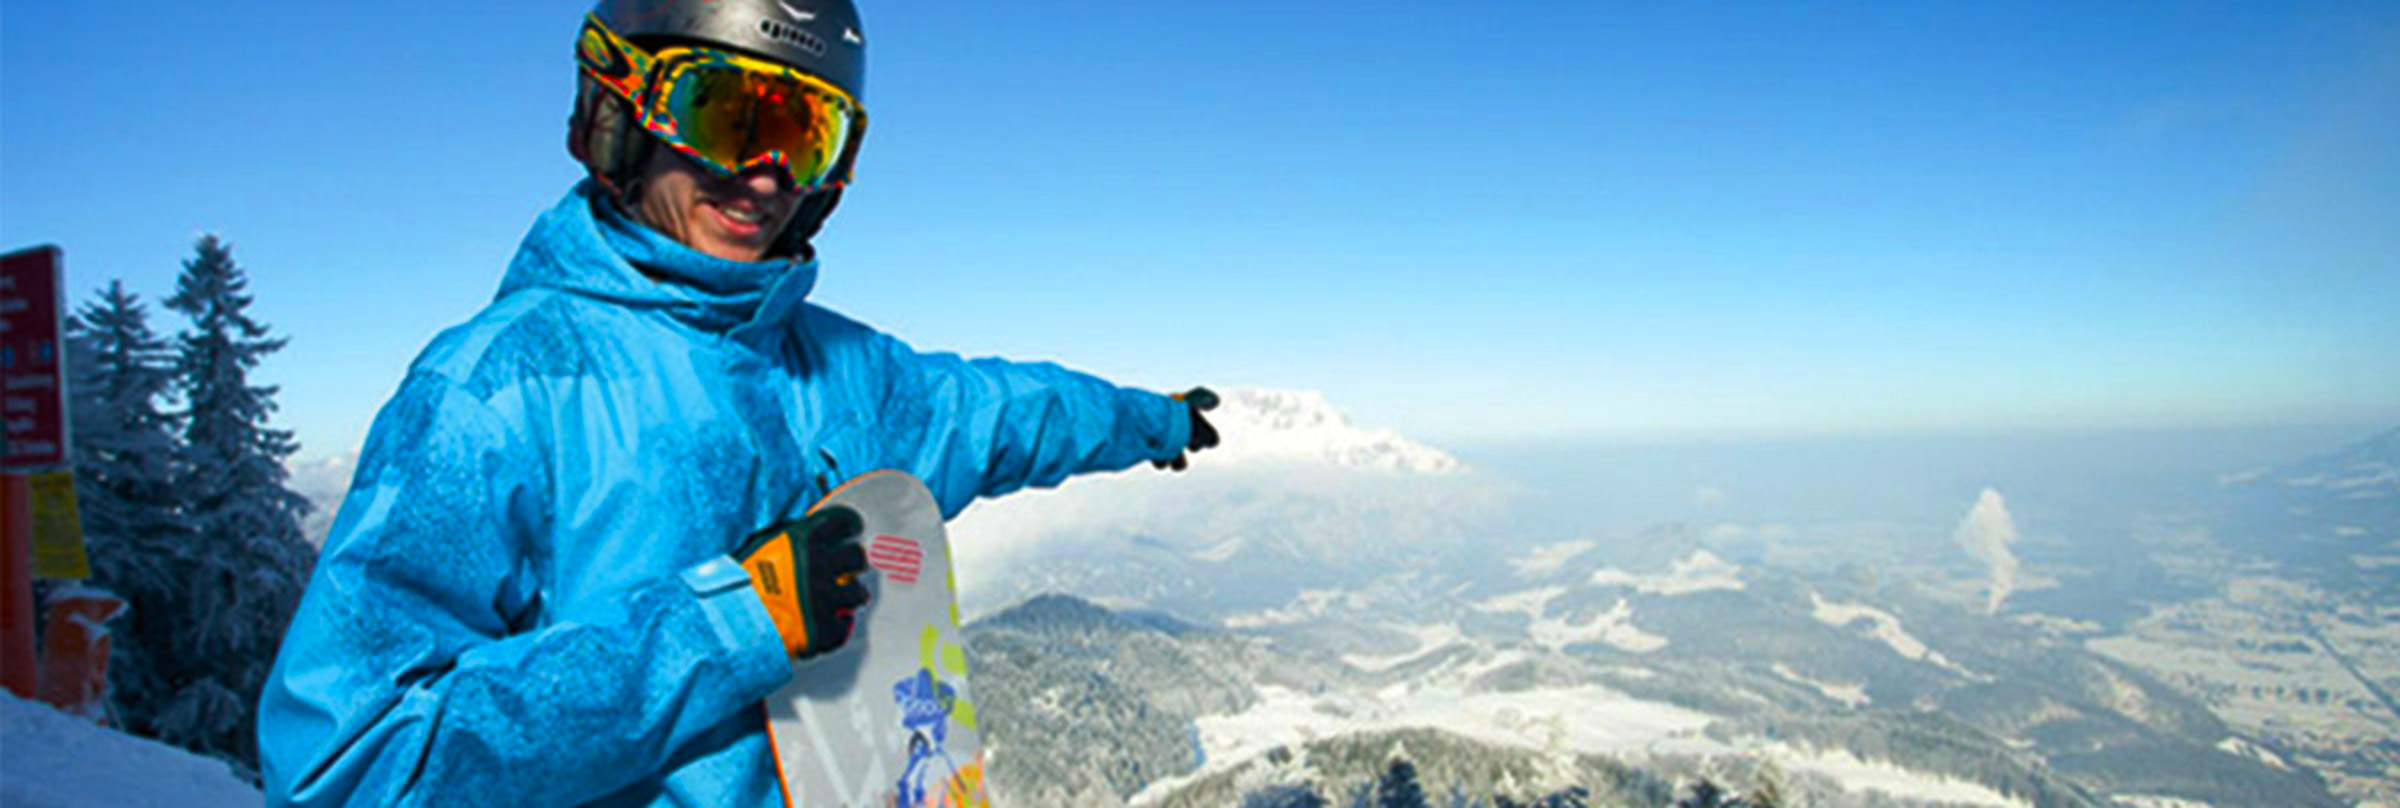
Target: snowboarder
x,y
538,591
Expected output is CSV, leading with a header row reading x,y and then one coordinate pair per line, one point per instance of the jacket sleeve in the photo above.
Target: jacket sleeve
x,y
986,427
422,670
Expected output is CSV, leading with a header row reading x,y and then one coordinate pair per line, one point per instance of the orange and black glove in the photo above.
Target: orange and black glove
x,y
806,571
1204,436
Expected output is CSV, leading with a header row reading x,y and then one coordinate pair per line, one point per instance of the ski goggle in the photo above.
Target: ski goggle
x,y
729,112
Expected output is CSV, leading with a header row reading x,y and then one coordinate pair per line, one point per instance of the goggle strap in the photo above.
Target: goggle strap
x,y
619,65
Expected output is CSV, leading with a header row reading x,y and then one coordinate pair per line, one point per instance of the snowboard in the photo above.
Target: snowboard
x,y
887,720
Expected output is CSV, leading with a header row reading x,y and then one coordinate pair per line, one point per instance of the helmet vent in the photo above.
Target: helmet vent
x,y
792,35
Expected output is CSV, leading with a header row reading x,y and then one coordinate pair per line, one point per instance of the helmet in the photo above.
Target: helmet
x,y
818,37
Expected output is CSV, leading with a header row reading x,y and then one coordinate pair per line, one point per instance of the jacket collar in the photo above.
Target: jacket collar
x,y
585,245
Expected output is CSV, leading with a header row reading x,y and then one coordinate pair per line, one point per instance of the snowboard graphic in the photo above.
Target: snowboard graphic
x,y
887,720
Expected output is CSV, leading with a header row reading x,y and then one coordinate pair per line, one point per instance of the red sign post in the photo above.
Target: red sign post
x,y
32,362
34,408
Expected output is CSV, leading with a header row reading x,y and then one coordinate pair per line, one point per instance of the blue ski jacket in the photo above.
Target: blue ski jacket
x,y
525,598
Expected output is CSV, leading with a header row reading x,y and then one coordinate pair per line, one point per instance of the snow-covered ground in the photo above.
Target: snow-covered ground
x,y
2156,801
1884,628
1430,639
2244,747
1536,719
54,760
1583,719
2056,626
1309,605
1702,571
1615,627
1531,602
1548,558
1856,775
1850,693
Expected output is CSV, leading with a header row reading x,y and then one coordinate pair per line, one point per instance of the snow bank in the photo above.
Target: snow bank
x,y
54,760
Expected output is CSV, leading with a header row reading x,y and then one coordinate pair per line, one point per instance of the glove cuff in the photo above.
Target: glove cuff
x,y
775,574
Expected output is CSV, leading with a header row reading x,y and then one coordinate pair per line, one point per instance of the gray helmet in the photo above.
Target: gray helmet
x,y
819,37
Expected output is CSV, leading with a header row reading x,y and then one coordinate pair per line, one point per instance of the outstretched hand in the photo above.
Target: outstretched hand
x,y
1204,435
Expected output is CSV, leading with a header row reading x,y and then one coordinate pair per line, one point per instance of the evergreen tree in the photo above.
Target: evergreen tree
x,y
1283,796
125,445
1398,787
1702,794
254,558
1569,797
1769,792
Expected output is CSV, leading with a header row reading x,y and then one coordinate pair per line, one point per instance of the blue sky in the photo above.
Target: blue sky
x,y
1465,221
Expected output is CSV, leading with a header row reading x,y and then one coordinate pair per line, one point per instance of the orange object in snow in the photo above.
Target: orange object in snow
x,y
75,649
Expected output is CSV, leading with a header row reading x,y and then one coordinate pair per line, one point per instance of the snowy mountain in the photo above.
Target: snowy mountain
x,y
1296,497
324,481
1302,427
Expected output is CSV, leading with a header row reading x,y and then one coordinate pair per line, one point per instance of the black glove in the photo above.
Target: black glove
x,y
806,572
1204,436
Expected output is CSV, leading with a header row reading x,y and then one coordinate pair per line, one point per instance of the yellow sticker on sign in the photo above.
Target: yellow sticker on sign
x,y
57,527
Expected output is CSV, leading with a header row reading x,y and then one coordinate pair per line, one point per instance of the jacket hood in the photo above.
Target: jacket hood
x,y
586,246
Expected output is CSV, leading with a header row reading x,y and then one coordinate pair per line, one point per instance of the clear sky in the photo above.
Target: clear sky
x,y
1464,221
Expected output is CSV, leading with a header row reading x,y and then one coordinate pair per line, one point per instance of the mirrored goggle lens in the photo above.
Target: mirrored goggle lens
x,y
736,119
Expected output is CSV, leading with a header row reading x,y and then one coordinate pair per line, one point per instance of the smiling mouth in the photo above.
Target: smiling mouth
x,y
745,215
742,218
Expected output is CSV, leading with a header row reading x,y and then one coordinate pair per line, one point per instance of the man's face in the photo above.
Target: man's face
x,y
735,218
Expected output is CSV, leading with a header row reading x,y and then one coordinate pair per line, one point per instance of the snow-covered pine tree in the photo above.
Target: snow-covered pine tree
x,y
254,558
125,445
